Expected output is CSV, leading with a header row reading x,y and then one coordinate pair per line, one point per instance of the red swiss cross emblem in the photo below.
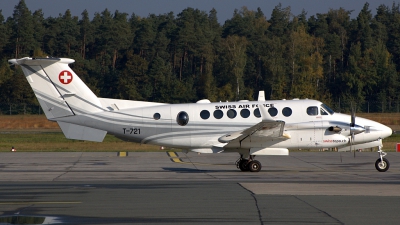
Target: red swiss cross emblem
x,y
65,77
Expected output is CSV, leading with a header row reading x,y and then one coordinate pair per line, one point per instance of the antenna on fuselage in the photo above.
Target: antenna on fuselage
x,y
261,96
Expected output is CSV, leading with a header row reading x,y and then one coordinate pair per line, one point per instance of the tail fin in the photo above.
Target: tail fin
x,y
58,89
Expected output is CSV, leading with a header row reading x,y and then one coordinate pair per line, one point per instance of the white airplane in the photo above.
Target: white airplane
x,y
250,128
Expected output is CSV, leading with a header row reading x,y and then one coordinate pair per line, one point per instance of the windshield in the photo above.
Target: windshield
x,y
327,109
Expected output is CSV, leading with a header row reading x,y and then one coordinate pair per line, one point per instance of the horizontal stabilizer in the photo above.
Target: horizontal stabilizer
x,y
77,132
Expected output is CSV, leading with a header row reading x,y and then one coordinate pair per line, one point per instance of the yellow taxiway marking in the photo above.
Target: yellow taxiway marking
x,y
122,154
176,159
172,154
24,203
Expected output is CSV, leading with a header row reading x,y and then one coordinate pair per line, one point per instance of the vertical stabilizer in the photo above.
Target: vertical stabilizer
x,y
58,89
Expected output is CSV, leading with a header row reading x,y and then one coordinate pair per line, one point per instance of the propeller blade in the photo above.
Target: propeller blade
x,y
352,130
352,140
353,117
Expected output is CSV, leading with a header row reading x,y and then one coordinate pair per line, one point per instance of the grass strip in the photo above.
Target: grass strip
x,y
56,142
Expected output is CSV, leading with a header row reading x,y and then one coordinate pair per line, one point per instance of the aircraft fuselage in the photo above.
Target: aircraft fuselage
x,y
158,124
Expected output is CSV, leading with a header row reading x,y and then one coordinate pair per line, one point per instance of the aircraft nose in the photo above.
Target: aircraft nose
x,y
386,131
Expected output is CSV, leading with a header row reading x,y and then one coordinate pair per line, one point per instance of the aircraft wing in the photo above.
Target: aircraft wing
x,y
270,129
267,128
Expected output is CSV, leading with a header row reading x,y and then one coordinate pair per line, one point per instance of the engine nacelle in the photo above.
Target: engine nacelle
x,y
269,151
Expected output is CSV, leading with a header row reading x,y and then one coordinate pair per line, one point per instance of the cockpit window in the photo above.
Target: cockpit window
x,y
327,109
312,110
323,112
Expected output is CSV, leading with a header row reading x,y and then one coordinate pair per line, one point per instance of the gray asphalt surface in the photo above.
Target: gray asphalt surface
x,y
161,188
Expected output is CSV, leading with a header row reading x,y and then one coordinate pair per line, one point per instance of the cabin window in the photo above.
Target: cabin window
x,y
156,116
231,113
245,113
257,113
218,114
273,111
312,110
287,111
205,114
182,118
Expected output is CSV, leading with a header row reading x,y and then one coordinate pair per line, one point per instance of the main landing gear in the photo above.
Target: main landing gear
x,y
248,164
382,164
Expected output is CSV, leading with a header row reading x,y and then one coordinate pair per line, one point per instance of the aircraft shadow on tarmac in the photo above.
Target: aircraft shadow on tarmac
x,y
193,170
349,165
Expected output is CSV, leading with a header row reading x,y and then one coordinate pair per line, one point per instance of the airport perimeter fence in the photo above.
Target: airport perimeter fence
x,y
343,107
20,109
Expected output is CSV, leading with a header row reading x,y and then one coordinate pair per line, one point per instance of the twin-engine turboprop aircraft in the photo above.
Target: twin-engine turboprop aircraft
x,y
250,128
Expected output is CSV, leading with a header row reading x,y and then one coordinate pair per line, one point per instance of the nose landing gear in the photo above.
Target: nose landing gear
x,y
382,164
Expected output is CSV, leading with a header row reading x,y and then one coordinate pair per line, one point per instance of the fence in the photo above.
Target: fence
x,y
367,107
19,109
344,107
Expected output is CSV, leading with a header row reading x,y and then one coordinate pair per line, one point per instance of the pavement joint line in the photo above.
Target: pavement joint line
x,y
24,203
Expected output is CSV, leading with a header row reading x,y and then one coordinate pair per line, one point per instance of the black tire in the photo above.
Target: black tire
x,y
382,166
244,165
254,166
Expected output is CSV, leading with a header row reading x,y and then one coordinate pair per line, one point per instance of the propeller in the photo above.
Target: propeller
x,y
354,129
352,126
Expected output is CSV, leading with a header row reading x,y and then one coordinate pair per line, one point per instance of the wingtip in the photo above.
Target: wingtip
x,y
13,61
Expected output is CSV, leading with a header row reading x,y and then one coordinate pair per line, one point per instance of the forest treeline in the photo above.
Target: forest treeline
x,y
190,56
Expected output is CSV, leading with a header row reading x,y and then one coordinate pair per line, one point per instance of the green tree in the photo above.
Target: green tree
x,y
4,34
23,30
276,83
279,21
364,32
38,24
86,33
235,53
306,65
133,77
121,35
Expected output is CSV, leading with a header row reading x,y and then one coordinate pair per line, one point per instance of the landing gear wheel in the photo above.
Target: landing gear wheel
x,y
382,165
254,166
244,165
